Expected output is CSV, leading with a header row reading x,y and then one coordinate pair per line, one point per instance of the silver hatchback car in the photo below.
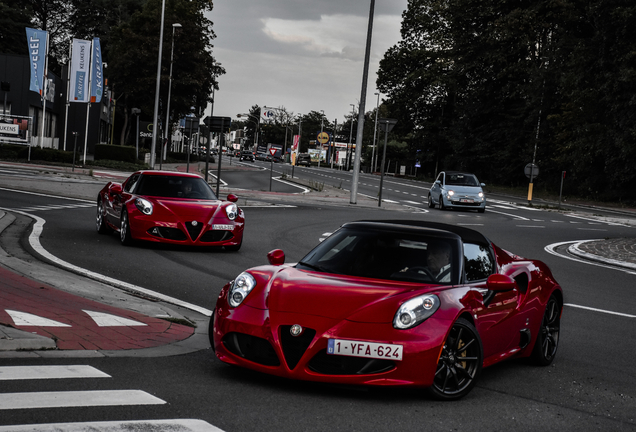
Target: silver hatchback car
x,y
454,189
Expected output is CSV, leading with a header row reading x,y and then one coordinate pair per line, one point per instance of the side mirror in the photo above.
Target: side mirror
x,y
500,282
483,184
232,198
276,257
114,190
439,182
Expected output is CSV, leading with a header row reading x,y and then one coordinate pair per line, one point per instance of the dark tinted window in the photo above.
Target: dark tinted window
x,y
174,187
461,180
478,262
386,255
130,184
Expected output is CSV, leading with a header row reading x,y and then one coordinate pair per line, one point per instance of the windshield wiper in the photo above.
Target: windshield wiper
x,y
314,267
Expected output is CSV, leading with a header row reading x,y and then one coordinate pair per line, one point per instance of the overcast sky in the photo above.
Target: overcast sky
x,y
303,55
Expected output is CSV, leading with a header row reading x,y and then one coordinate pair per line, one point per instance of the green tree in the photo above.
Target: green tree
x,y
15,15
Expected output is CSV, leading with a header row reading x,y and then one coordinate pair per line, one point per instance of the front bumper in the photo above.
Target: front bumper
x,y
253,339
466,202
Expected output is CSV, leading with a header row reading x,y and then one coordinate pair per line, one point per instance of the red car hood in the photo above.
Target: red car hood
x,y
187,210
339,297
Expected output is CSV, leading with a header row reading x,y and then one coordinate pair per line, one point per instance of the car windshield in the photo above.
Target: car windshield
x,y
461,180
174,187
378,254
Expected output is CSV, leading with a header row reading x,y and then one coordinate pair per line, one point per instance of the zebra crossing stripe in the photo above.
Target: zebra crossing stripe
x,y
181,425
49,372
67,399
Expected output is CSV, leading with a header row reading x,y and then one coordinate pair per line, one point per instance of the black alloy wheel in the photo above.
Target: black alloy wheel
x,y
547,343
102,226
124,230
460,363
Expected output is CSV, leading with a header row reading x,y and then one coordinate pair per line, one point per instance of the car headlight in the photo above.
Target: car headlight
x,y
144,206
451,193
231,211
481,194
415,311
241,287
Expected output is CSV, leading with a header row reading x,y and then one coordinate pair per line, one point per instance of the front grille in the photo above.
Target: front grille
x,y
474,204
216,236
194,230
168,233
329,364
295,346
251,348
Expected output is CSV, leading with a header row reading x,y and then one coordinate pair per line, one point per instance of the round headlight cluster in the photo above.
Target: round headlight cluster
x,y
241,287
416,310
144,206
231,211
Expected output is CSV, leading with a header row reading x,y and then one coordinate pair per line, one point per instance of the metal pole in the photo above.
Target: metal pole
x,y
561,190
322,119
218,174
155,117
333,144
137,139
271,172
68,91
44,89
375,129
363,97
386,135
189,148
74,150
349,144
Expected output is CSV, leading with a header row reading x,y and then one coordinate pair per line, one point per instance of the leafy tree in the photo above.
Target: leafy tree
x,y
15,15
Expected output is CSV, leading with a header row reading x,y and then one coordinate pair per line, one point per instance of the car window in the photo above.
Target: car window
x,y
440,177
130,184
478,262
387,255
461,180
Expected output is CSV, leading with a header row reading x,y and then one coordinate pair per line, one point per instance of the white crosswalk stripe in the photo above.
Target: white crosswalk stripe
x,y
90,398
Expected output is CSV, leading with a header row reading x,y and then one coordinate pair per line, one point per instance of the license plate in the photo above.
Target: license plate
x,y
365,349
464,200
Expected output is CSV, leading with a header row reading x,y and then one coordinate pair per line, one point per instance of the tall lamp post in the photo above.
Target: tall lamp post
x,y
165,131
155,116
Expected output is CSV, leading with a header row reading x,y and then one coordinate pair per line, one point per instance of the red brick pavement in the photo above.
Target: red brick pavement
x,y
21,294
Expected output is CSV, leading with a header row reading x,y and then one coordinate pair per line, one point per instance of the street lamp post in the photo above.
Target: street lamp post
x,y
165,132
155,116
136,112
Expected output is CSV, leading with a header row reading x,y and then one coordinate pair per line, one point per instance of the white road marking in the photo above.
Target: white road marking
x,y
27,319
507,214
600,310
170,425
531,226
49,372
501,207
107,320
551,249
414,202
59,399
591,229
46,195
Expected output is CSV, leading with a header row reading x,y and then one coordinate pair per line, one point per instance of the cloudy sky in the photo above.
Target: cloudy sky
x,y
303,55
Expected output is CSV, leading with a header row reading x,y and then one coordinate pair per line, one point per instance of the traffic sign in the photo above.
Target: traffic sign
x,y
323,137
273,150
531,170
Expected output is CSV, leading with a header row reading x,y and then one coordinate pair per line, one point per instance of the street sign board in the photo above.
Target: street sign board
x,y
323,137
218,124
531,170
386,124
273,151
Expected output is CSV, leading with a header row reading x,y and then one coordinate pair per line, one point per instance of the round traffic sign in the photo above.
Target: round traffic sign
x,y
323,137
531,170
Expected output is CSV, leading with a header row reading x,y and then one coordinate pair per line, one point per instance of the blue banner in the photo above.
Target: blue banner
x,y
37,57
97,73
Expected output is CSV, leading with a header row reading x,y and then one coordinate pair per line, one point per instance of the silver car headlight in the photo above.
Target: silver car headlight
x,y
231,211
481,194
144,206
451,193
240,288
415,311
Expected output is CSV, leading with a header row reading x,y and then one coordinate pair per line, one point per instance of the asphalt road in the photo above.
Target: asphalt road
x,y
590,386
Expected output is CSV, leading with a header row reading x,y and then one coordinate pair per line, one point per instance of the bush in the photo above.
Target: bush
x,y
115,153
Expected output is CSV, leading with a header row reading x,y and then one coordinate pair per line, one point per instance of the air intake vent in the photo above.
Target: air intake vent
x,y
194,229
295,346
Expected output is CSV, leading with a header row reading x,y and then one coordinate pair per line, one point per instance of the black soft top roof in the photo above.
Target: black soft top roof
x,y
466,234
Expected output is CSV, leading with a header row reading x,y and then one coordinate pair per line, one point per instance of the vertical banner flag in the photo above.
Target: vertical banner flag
x,y
97,83
37,57
80,65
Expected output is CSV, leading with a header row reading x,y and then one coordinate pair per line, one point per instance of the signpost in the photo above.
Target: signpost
x,y
272,151
386,124
218,124
531,171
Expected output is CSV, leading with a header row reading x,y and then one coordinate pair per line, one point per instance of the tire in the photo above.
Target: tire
x,y
547,343
441,203
124,230
430,201
460,363
102,226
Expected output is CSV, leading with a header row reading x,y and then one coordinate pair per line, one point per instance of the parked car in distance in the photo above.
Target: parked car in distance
x,y
262,156
303,159
453,189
